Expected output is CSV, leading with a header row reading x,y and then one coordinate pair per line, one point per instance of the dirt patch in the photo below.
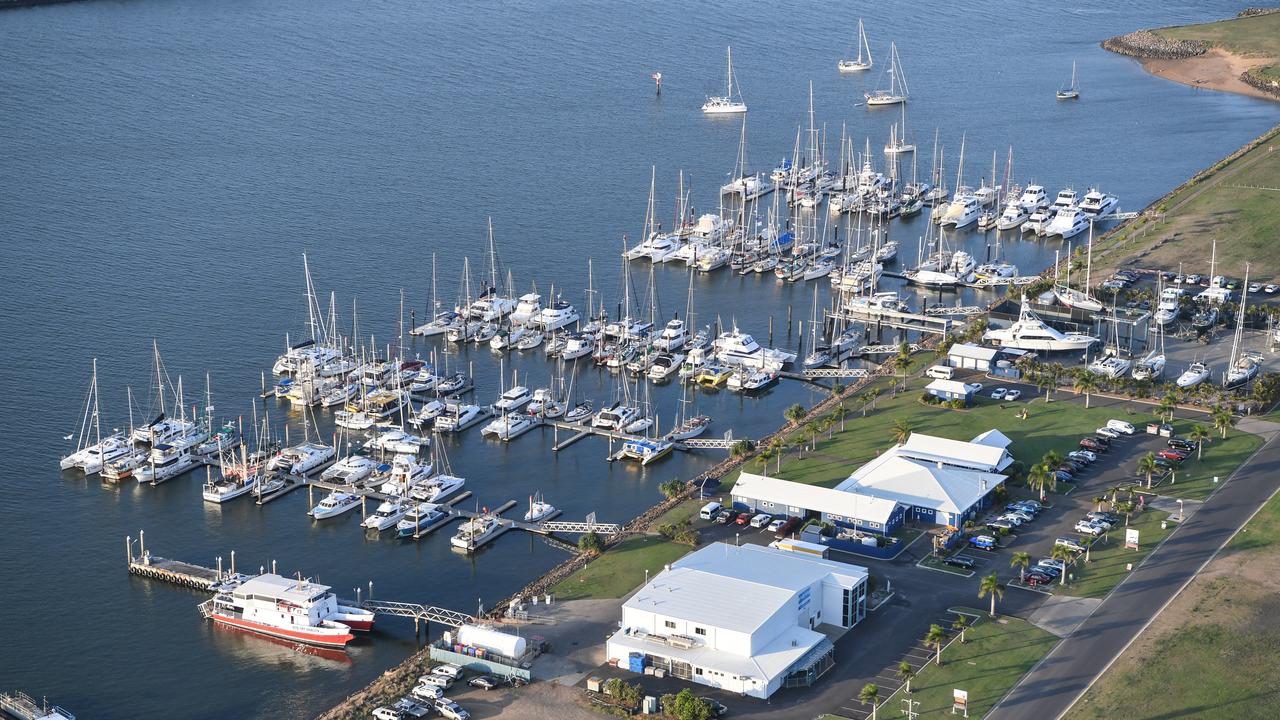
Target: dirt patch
x,y
1215,69
539,700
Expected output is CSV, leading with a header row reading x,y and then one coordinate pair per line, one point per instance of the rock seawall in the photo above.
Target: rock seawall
x,y
1146,44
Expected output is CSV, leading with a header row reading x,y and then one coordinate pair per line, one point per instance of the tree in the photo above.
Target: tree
x,y
741,448
778,447
1165,407
590,543
1126,508
684,705
1099,501
904,355
1067,556
870,695
990,585
671,488
763,459
1022,561
794,414
935,637
1147,467
868,401
1039,478
901,430
906,672
1198,435
627,695
1086,383
1222,419
1052,459
960,625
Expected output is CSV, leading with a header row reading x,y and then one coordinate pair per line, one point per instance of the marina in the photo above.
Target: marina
x,y
208,211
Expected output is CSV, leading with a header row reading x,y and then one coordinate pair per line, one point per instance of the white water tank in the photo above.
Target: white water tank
x,y
513,646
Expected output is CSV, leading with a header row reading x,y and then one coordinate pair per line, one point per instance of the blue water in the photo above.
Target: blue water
x,y
164,166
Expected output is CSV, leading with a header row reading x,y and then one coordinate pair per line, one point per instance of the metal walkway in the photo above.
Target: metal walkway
x,y
428,613
580,527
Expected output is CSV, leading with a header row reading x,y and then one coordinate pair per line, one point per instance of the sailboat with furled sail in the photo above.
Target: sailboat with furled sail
x,y
92,450
1080,299
897,92
731,102
1243,366
863,61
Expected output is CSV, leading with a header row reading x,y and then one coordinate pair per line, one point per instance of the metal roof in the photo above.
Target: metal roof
x,y
812,497
930,448
973,352
950,386
281,588
941,487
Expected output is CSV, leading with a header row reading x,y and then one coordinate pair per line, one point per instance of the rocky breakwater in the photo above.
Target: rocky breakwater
x,y
1146,44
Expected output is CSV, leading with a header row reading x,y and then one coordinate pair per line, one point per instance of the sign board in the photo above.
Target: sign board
x,y
960,702
1130,539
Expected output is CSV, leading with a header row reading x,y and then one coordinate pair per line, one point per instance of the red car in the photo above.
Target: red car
x,y
1172,454
743,519
1034,579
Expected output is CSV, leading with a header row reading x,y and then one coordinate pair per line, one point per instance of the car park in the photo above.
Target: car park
x,y
451,710
962,562
1013,394
1069,543
1085,527
999,393
427,691
1107,432
1120,426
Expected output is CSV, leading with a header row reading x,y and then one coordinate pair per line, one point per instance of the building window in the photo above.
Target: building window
x,y
670,624
697,671
699,631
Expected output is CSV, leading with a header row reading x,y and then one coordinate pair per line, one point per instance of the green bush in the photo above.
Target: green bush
x,y
591,543
686,706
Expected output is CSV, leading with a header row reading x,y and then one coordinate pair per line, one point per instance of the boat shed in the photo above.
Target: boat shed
x,y
868,513
967,356
950,390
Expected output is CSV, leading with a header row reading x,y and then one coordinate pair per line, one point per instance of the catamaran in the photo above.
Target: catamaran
x,y
729,103
859,63
1071,297
92,450
897,92
299,611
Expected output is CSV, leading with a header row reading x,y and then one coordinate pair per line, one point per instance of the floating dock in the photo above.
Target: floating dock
x,y
24,707
177,572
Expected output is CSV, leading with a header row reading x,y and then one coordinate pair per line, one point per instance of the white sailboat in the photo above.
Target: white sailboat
x,y
1243,367
92,450
863,61
1071,92
731,102
1081,299
898,144
749,187
897,92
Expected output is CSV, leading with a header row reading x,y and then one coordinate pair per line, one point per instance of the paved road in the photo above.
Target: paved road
x,y
1053,686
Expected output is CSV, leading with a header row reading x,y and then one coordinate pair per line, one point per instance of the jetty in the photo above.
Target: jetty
x,y
176,572
24,707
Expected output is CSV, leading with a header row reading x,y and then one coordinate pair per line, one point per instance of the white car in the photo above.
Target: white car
x,y
974,387
776,525
1024,515
1069,543
1121,426
427,691
1270,289
1107,432
761,520
384,713
1055,564
1012,519
1013,394
1087,455
451,710
447,670
999,393
1085,527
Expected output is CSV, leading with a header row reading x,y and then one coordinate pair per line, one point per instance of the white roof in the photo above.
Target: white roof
x,y
994,438
931,448
949,386
975,352
282,588
774,659
737,587
941,487
812,497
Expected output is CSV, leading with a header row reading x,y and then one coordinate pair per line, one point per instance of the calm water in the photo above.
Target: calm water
x,y
165,165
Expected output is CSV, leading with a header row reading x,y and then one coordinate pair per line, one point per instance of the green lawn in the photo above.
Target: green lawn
x,y
1107,559
1254,36
1194,480
997,653
620,569
1213,653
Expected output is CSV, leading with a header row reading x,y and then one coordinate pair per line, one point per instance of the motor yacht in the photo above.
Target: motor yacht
x,y
1013,215
539,510
305,354
475,532
454,384
713,375
996,272
425,418
1068,223
420,518
1110,366
957,268
437,488
388,515
963,211
302,459
673,336
527,308
229,487
738,348
746,379
458,416
397,441
616,417
558,314
1097,204
513,399
349,470
1065,199
713,258
1033,198
165,463
1150,367
163,430
664,366
335,504
1037,221
1032,333
123,467
1196,373
577,345
510,425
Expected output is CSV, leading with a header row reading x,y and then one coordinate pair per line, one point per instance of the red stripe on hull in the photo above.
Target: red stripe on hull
x,y
299,635
358,625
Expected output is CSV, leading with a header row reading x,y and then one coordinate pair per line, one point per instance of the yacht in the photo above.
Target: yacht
x,y
93,458
229,486
1111,366
426,416
877,304
615,417
858,64
1033,198
397,441
302,459
123,467
1241,372
713,375
731,102
996,272
422,517
897,92
165,462
1169,307
646,451
1097,204
530,340
305,354
579,413
713,258
438,325
349,470
539,510
673,336
1205,318
749,187
1032,333
664,365
1149,368
963,211
690,428
1196,373
388,515
577,345
957,268
738,348
437,488
458,416
527,308
1065,199
887,252
1068,223
746,379
475,532
513,399
335,504
1037,221
485,333
509,426
162,430
1013,215
693,363
506,338
404,475
557,315
1072,298
454,384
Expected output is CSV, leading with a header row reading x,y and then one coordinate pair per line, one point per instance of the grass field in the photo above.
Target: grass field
x,y
1234,205
996,653
1212,652
621,569
1107,560
1194,480
1257,36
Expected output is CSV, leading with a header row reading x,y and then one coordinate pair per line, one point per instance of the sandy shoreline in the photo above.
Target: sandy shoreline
x,y
1216,69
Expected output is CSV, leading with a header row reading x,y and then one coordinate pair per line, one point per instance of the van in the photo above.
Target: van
x,y
710,510
1121,426
441,681
940,372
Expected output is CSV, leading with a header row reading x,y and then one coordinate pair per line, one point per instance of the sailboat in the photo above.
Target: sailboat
x,y
1151,367
1243,367
731,102
897,92
859,63
1081,299
898,144
1073,91
92,450
749,187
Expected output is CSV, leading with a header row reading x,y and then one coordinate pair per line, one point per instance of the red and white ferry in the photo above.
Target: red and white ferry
x,y
281,607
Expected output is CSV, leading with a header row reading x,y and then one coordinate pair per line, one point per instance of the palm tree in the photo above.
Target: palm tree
x,y
990,585
1039,478
794,414
778,447
1222,419
906,672
1147,466
1165,407
901,430
1086,383
1052,459
1127,508
870,695
1115,493
1099,501
960,624
763,459
1022,561
1067,556
1198,435
935,637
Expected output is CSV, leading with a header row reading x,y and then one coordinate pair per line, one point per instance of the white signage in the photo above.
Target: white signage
x,y
1131,539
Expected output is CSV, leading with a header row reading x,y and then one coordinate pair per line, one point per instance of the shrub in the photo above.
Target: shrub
x,y
591,543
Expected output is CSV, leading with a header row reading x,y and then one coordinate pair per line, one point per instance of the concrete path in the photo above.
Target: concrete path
x,y
1062,614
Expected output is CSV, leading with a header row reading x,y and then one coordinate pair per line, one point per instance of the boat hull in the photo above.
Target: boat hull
x,y
334,640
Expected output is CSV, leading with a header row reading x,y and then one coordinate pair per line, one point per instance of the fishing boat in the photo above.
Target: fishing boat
x,y
423,517
1072,91
645,450
863,61
475,532
335,504
1032,333
897,92
294,610
731,102
388,515
539,509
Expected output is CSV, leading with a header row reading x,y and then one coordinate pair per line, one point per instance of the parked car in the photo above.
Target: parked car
x,y
974,388
1035,579
1092,444
1108,517
1172,454
999,393
1052,564
427,691
1063,476
725,516
448,670
718,709
776,525
1255,287
1113,284
761,520
1049,570
451,710
1010,518
984,542
1182,444
1069,543
743,518
787,527
999,525
1121,426
1084,455
1107,432
1033,505
1129,275
484,682
1025,516
1013,394
962,562
1086,527
1165,462
385,713
409,707
1270,289
442,681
